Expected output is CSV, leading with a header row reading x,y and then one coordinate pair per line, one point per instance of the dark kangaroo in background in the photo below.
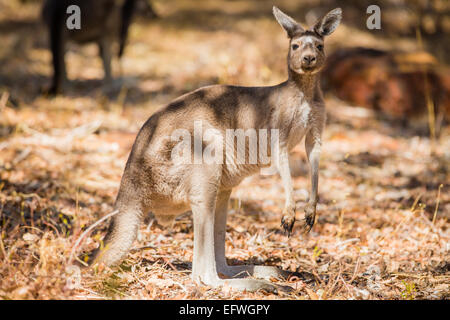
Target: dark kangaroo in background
x,y
153,182
102,21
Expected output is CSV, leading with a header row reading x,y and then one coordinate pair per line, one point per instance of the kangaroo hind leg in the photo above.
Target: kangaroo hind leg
x,y
209,253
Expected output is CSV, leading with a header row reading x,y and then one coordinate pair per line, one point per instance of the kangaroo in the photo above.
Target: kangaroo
x,y
152,181
102,21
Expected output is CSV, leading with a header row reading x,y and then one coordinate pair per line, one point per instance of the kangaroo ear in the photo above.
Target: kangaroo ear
x,y
329,22
291,26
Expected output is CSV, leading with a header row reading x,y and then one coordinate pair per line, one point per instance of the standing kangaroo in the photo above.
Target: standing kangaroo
x,y
152,181
102,21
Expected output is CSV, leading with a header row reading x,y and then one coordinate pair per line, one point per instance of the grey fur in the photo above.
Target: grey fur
x,y
152,182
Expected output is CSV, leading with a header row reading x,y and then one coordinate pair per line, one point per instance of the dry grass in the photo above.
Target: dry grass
x,y
382,230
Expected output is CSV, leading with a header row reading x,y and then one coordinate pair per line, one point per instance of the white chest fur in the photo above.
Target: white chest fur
x,y
301,120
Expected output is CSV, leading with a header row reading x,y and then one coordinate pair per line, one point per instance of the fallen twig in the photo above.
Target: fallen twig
x,y
77,243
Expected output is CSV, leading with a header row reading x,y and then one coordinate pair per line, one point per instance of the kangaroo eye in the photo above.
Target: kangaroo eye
x,y
320,47
295,46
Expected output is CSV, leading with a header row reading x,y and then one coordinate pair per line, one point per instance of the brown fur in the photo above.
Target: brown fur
x,y
152,182
102,21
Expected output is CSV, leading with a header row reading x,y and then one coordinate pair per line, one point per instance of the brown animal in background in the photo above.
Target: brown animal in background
x,y
102,21
394,83
152,181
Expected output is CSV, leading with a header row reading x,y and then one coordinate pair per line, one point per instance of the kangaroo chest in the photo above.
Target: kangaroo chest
x,y
301,121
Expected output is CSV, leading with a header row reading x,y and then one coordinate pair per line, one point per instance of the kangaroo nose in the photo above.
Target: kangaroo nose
x,y
308,60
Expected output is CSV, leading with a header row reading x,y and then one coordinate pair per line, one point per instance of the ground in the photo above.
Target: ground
x,y
382,230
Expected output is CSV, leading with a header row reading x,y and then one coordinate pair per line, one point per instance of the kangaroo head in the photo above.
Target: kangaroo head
x,y
306,49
